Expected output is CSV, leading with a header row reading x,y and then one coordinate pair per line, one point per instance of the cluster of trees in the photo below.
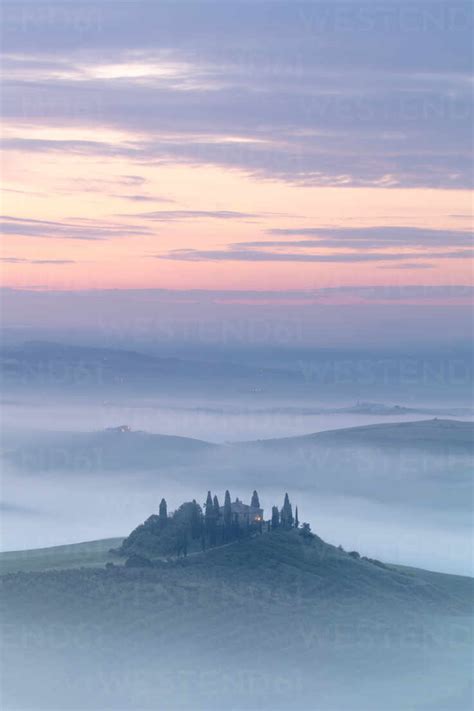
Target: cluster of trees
x,y
221,527
186,526
193,527
283,518
190,527
208,525
166,535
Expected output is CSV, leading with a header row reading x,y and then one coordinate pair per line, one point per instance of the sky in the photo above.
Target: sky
x,y
278,147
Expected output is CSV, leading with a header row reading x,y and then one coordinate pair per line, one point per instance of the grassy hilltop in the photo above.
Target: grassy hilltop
x,y
263,622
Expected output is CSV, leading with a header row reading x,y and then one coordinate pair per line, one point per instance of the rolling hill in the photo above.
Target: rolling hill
x,y
73,555
262,623
121,448
43,368
114,449
425,464
422,434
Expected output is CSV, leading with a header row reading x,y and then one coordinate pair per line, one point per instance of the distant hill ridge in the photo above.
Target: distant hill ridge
x,y
42,366
418,432
120,447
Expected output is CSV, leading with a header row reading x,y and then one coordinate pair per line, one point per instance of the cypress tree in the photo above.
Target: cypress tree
x,y
209,506
216,507
163,513
275,517
209,519
217,515
291,520
227,516
227,509
287,513
297,522
196,516
255,503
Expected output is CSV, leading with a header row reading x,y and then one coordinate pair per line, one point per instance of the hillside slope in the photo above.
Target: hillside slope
x,y
74,555
105,450
116,449
277,619
433,434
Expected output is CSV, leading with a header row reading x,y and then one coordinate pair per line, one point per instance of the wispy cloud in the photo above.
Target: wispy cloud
x,y
254,255
76,147
178,215
80,229
32,193
361,95
371,244
142,198
369,237
23,260
407,265
135,180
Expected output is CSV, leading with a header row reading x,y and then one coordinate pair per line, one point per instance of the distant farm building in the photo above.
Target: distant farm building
x,y
120,429
243,514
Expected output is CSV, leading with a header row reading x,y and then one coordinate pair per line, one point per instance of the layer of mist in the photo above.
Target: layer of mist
x,y
398,491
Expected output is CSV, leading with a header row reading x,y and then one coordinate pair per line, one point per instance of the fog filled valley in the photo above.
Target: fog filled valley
x,y
388,487
377,490
93,438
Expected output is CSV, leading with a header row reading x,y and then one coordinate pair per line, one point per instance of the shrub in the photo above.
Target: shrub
x,y
305,531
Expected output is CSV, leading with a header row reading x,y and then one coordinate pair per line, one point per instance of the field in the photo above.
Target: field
x,y
75,555
278,618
